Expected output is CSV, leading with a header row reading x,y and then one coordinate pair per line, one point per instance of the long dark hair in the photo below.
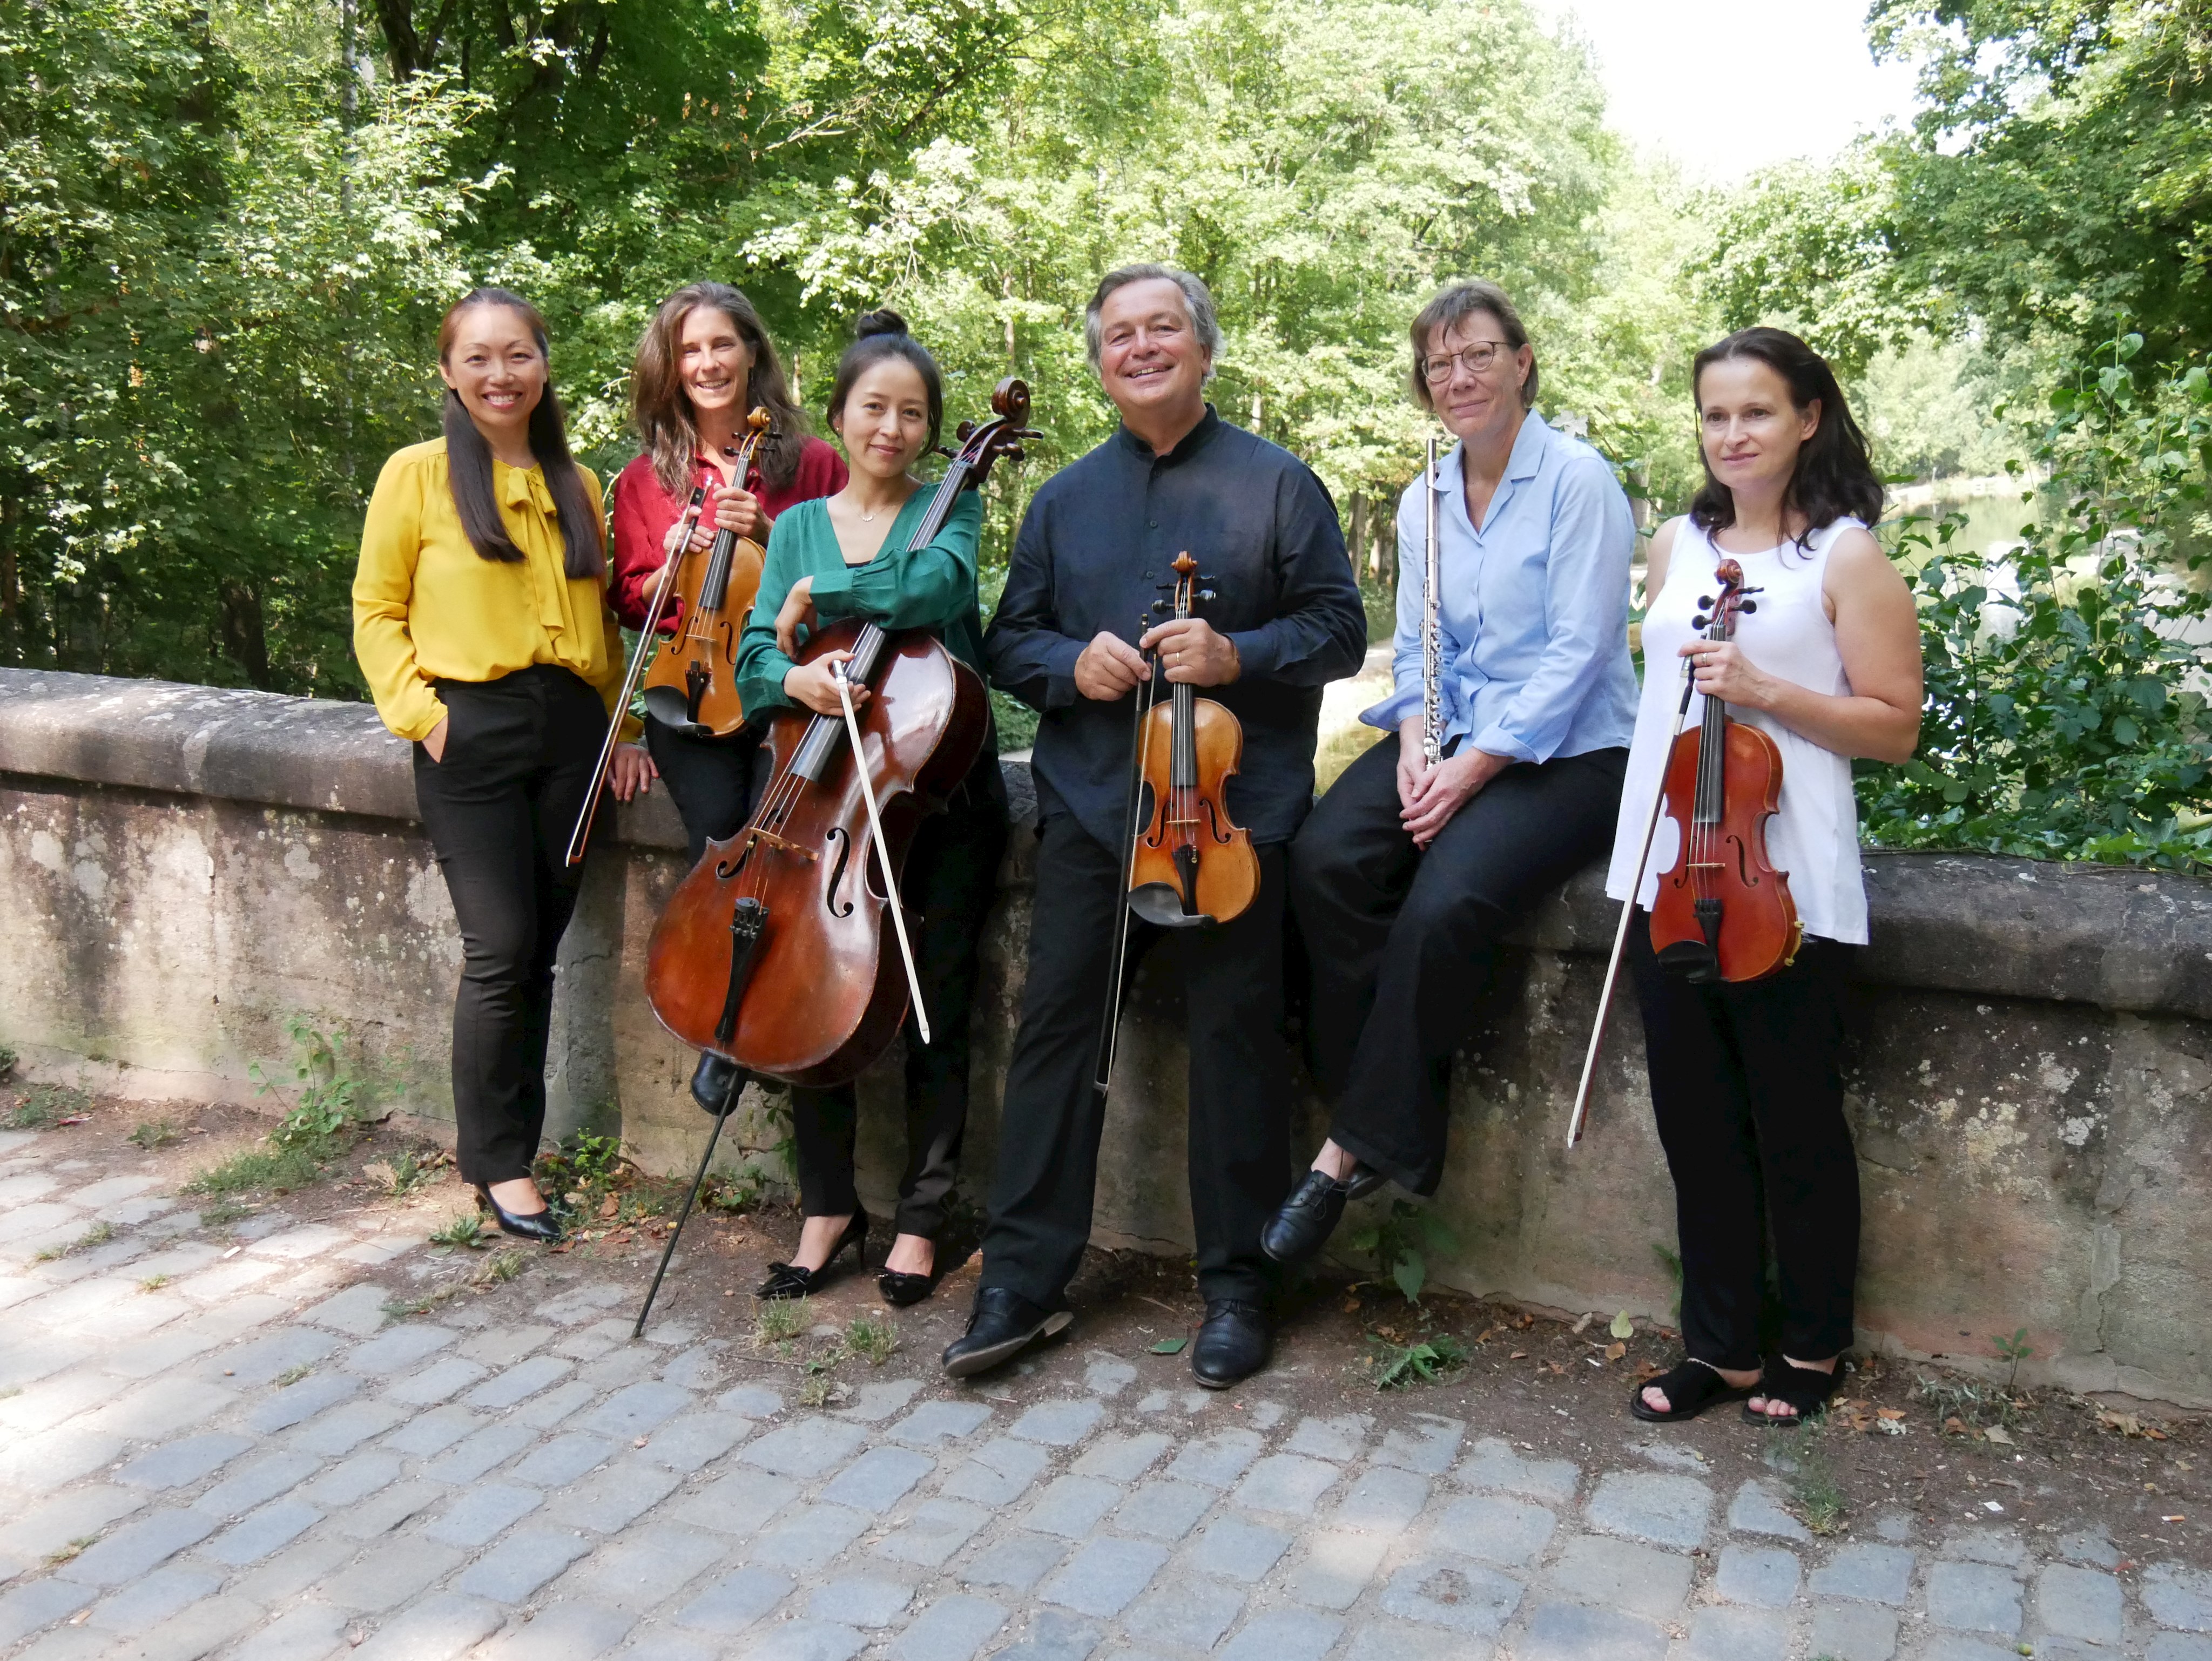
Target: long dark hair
x,y
877,336
1834,478
662,408
468,456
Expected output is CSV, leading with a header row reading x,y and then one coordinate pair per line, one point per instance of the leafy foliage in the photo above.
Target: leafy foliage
x,y
2066,712
1401,1242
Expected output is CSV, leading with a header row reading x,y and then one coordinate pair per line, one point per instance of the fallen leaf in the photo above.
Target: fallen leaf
x,y
1169,1346
1487,1333
1998,1435
1613,1352
1955,1425
1646,1368
1889,1413
1623,1327
1518,1355
1526,1322
609,1206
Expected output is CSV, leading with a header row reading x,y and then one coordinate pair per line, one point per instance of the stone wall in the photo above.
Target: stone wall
x,y
183,871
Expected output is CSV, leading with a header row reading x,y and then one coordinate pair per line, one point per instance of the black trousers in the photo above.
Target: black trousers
x,y
499,809
1749,1099
1401,938
1050,1126
951,879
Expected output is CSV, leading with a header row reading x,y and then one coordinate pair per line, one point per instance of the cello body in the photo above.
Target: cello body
x,y
825,997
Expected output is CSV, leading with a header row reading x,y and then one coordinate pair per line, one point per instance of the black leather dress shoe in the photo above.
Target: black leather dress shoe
x,y
540,1225
1302,1224
716,1084
1232,1344
787,1280
1005,1324
902,1290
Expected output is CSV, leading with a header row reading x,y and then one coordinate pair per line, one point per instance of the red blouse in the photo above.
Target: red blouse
x,y
644,512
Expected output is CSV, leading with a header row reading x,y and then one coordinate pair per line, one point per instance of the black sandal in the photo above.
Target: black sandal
x,y
1690,1389
1807,1389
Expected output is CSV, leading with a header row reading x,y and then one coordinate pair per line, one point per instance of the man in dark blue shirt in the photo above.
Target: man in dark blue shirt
x,y
1071,639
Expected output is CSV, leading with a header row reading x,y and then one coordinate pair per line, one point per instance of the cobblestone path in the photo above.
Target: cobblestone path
x,y
224,1447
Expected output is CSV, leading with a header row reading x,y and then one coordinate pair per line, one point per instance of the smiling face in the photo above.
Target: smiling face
x,y
1486,403
1749,427
495,365
712,360
1150,361
884,420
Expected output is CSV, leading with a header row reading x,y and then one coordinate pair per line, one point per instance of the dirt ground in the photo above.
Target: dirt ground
x,y
1905,1435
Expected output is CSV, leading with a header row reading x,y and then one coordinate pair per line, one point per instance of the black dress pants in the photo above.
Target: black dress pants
x,y
499,808
1749,1099
951,879
1400,938
1050,1126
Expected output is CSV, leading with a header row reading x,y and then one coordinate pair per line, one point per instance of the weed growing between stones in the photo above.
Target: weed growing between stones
x,y
871,1337
273,1170
1964,1407
1401,1243
156,1133
503,1267
1812,1479
329,1114
400,1175
404,1309
1401,1366
99,1235
73,1549
153,1283
781,1320
463,1233
223,1213
735,1195
292,1375
8,1059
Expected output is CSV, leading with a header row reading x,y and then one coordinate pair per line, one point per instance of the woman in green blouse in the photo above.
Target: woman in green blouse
x,y
846,556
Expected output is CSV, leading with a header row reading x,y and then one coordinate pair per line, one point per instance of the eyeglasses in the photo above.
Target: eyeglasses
x,y
1478,358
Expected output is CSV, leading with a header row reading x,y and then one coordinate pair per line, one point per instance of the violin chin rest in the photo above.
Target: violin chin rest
x,y
1158,904
1693,959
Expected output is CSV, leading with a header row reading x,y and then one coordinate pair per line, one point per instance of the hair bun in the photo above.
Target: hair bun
x,y
882,322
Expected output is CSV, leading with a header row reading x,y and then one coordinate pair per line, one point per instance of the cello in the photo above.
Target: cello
x,y
692,686
1184,863
1721,912
771,953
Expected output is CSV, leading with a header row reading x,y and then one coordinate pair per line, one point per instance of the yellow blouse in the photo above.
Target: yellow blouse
x,y
426,606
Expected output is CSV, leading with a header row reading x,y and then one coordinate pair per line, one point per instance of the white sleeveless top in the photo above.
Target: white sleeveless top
x,y
1815,836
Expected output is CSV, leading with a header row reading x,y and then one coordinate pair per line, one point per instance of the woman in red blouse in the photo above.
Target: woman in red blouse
x,y
704,364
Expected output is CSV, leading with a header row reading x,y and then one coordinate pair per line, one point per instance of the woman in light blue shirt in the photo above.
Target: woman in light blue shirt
x,y
1406,876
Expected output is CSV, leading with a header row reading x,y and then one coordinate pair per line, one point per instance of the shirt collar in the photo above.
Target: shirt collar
x,y
1192,442
1530,444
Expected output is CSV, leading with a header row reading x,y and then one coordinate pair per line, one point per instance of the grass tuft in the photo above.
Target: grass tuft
x,y
99,1235
781,1319
463,1233
402,1309
503,1267
277,1170
153,1283
223,1212
871,1337
292,1375
45,1107
153,1133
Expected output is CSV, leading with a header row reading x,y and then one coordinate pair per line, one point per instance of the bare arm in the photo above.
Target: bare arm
x,y
1878,633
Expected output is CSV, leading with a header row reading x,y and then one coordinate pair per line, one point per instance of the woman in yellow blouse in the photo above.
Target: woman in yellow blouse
x,y
480,621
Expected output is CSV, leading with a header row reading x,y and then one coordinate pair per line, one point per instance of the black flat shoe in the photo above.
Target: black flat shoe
x,y
789,1280
901,1291
1804,1388
1233,1343
1304,1222
1690,1388
1005,1324
716,1084
540,1225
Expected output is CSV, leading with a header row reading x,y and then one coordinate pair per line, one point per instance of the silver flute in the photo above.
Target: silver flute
x,y
1432,700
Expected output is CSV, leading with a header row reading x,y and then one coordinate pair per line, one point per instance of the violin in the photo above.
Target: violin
x,y
1723,913
1189,866
771,953
1185,863
692,686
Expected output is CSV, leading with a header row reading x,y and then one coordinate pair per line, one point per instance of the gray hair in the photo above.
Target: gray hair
x,y
1197,302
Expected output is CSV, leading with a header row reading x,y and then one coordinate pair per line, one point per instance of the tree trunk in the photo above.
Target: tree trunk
x,y
244,635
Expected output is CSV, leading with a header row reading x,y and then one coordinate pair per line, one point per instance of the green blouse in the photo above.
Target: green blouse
x,y
931,587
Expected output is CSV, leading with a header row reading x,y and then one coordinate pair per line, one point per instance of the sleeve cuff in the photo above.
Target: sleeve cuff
x,y
1495,739
832,592
1259,653
1060,674
419,724
1391,713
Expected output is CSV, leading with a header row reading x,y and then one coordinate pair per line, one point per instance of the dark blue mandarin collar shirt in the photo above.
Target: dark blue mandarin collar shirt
x,y
1099,538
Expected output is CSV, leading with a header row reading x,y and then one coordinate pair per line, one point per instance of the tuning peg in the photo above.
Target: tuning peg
x,y
1702,621
1013,452
1704,604
964,431
1206,594
1748,607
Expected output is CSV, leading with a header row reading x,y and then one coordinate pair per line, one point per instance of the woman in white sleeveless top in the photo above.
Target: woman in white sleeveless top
x,y
1745,1082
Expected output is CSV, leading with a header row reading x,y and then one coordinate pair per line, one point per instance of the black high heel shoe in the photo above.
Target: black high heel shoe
x,y
900,1290
540,1226
789,1280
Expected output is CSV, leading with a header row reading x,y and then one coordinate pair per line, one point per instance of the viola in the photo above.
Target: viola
x,y
771,953
692,686
1722,912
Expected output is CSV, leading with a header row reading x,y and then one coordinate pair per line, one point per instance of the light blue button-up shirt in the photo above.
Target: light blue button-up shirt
x,y
1533,626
